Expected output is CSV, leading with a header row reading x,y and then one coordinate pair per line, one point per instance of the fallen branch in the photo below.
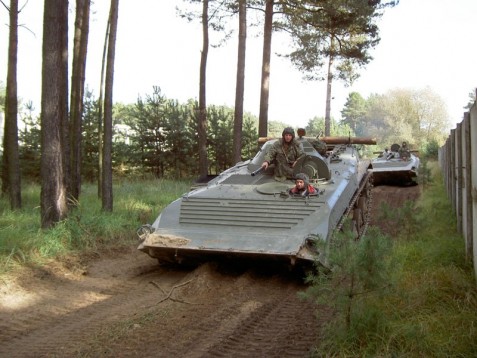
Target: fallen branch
x,y
169,295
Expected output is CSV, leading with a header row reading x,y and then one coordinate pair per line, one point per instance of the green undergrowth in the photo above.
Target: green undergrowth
x,y
415,298
87,228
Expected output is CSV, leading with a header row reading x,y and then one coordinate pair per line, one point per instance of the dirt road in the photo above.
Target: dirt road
x,y
122,304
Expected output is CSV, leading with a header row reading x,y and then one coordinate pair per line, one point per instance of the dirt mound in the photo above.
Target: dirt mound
x,y
391,197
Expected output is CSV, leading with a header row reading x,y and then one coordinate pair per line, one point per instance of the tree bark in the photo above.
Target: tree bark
x,y
265,84
329,82
11,165
54,113
77,94
240,86
100,112
202,118
107,191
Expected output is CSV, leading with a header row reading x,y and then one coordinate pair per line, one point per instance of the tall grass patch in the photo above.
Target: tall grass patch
x,y
429,306
353,289
87,227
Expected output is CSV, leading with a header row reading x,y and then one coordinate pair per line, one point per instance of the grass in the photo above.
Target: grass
x,y
428,307
87,227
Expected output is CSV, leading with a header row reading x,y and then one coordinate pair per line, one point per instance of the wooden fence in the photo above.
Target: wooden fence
x,y
458,162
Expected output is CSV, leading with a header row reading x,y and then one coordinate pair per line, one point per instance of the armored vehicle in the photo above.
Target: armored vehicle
x,y
398,166
245,212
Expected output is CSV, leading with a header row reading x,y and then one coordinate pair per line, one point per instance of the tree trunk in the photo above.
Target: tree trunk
x,y
107,191
100,113
202,122
265,84
240,86
64,103
329,82
11,156
54,113
77,93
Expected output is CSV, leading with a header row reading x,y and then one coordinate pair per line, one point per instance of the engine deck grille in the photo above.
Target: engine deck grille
x,y
247,213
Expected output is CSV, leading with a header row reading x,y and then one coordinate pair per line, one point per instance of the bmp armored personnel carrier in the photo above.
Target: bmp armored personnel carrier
x,y
245,213
398,166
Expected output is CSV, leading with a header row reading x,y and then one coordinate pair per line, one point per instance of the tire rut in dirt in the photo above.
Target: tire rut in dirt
x,y
56,331
239,316
279,328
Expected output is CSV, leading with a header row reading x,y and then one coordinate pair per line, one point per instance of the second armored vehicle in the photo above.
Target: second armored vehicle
x,y
398,166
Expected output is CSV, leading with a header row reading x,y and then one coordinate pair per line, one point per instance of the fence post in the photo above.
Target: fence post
x,y
453,174
473,183
467,223
459,175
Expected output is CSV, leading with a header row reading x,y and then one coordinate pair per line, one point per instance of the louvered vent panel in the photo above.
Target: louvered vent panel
x,y
246,213
389,164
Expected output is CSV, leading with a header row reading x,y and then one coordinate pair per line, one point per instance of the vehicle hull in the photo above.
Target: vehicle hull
x,y
248,216
395,171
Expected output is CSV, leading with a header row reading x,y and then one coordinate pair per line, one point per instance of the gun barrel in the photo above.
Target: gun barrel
x,y
348,140
255,172
332,140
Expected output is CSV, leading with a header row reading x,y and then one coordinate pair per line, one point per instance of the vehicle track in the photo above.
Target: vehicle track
x,y
244,315
278,328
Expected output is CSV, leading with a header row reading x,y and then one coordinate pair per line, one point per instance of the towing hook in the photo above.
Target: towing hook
x,y
144,231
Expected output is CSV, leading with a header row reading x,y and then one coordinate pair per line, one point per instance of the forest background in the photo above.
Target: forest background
x,y
167,138
137,146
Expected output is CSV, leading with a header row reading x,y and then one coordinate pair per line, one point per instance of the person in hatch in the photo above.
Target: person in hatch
x,y
285,152
404,152
302,186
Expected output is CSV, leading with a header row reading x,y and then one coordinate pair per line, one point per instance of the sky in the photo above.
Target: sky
x,y
424,44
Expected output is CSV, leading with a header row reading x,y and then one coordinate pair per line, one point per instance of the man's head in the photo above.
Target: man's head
x,y
288,134
301,180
